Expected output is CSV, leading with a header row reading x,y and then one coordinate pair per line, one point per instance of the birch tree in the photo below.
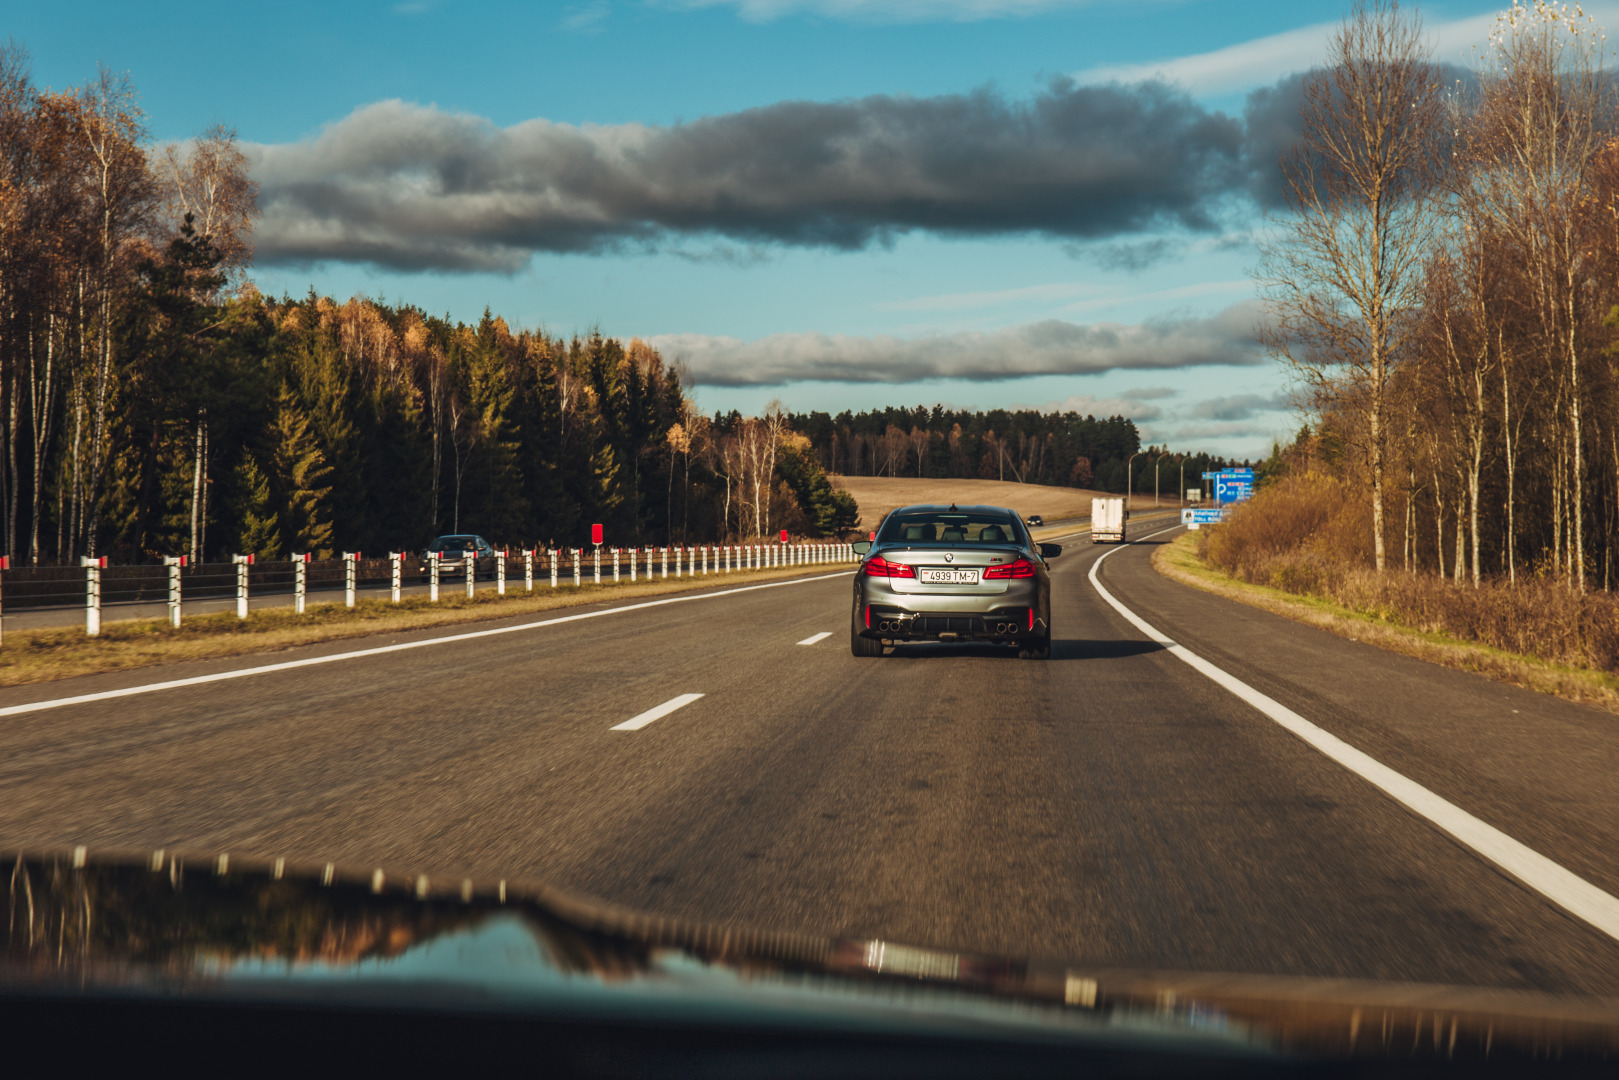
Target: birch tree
x,y
1345,274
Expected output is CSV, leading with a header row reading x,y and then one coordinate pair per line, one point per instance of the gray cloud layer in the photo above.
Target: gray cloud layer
x,y
416,188
1050,347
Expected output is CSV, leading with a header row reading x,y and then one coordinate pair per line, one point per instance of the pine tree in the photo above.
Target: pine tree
x,y
301,475
260,533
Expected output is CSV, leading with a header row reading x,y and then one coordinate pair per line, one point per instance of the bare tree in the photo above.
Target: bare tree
x,y
208,178
1345,274
1542,120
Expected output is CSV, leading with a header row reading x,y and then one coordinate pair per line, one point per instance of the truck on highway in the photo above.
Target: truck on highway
x,y
1107,520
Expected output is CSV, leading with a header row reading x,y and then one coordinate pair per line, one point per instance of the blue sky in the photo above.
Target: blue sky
x,y
796,198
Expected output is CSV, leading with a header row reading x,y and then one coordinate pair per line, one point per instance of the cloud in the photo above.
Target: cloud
x,y
1238,406
412,187
1151,393
1049,347
586,18
1230,430
884,11
1090,405
1267,59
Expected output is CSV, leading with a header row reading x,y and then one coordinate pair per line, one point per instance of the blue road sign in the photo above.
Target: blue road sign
x,y
1210,475
1203,515
1233,485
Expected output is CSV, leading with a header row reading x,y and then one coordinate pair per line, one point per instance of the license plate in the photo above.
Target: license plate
x,y
949,577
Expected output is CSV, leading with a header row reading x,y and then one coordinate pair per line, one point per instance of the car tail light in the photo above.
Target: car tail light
x,y
877,566
1019,567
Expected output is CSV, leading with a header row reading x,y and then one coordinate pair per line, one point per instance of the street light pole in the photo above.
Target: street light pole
x,y
1130,479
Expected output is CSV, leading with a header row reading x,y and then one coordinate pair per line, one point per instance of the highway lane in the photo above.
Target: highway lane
x,y
1109,806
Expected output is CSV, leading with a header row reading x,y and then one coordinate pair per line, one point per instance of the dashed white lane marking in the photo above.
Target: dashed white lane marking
x,y
813,638
313,661
636,723
1558,884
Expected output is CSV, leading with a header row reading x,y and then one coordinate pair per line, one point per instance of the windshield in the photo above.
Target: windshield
x,y
1135,485
944,527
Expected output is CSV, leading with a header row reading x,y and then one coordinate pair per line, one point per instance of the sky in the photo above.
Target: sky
x,y
843,204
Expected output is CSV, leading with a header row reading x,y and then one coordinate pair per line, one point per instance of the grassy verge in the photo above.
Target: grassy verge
x,y
1178,561
32,656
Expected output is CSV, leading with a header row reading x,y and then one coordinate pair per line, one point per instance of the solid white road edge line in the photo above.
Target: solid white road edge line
x,y
813,638
1557,884
636,723
312,661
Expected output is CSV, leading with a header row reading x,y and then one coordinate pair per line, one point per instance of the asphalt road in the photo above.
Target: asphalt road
x,y
1110,806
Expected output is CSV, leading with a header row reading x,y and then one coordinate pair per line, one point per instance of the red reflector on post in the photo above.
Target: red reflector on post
x,y
595,534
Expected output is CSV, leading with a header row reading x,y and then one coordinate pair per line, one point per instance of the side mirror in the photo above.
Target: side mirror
x,y
860,547
1050,551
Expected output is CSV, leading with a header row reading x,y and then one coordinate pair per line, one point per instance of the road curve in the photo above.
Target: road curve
x,y
1110,806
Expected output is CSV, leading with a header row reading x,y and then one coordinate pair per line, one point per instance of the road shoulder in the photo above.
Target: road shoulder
x,y
1177,561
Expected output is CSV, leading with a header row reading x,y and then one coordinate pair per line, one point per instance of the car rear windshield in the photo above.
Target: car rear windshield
x,y
943,527
459,543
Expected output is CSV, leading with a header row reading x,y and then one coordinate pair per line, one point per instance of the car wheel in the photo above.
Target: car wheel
x,y
1036,649
860,645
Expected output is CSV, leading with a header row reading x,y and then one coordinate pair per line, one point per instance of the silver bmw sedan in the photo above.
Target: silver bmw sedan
x,y
952,573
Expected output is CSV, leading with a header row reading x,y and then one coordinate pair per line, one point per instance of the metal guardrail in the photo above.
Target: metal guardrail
x,y
95,585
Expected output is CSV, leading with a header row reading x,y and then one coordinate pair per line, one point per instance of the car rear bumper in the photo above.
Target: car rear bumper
x,y
1001,624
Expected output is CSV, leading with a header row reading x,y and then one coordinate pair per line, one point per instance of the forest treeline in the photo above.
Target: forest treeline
x,y
1025,445
1445,282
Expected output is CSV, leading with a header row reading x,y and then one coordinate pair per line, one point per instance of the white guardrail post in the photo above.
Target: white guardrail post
x,y
553,557
615,566
500,572
528,569
174,563
650,553
633,553
351,566
242,563
469,559
396,586
300,581
578,553
432,577
92,593
666,563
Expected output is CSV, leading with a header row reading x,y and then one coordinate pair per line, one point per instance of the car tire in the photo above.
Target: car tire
x,y
859,644
1036,649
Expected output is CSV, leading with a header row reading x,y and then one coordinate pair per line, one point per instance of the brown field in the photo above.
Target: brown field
x,y
877,495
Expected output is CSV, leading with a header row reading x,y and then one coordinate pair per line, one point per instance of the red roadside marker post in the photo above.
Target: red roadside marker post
x,y
596,539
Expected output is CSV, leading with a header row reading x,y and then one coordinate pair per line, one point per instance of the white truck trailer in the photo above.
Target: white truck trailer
x,y
1107,520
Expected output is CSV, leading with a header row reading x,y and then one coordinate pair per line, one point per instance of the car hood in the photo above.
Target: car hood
x,y
166,932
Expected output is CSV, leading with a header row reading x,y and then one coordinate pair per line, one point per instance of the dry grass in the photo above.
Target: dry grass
x,y
1380,625
1310,536
877,495
32,656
